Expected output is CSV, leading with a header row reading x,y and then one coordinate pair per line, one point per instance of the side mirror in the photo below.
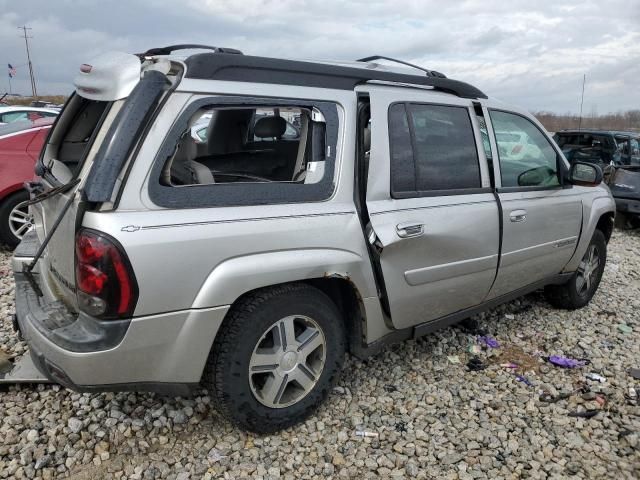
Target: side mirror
x,y
585,174
536,177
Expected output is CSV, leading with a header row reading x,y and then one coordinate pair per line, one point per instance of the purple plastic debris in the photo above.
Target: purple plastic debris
x,y
565,362
523,379
489,341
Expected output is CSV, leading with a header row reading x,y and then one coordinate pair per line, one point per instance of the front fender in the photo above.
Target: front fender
x,y
592,212
237,276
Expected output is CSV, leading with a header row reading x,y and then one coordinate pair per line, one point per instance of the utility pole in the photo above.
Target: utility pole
x,y
24,29
584,79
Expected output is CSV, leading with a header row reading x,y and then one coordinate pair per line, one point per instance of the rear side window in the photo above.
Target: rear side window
x,y
247,151
433,149
247,145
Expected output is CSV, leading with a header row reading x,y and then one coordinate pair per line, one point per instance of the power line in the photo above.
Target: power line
x,y
24,29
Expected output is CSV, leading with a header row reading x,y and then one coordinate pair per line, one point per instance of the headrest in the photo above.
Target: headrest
x,y
268,127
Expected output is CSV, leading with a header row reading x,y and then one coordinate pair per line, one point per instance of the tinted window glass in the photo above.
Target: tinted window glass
x,y
403,176
442,147
527,159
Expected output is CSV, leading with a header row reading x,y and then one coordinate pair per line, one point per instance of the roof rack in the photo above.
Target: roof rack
x,y
430,73
247,68
168,50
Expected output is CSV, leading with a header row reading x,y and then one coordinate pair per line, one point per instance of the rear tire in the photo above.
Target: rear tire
x,y
582,286
276,357
14,222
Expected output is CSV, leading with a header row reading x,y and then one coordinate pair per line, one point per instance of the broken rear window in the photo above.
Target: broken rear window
x,y
256,145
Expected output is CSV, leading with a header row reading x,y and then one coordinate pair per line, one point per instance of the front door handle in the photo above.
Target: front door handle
x,y
409,229
518,215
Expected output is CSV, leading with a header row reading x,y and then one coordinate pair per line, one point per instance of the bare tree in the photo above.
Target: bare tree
x,y
624,121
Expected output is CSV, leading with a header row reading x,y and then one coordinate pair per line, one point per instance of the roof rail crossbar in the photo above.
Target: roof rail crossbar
x,y
168,50
430,73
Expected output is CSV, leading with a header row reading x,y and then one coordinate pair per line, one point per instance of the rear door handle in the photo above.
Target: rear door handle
x,y
409,229
518,215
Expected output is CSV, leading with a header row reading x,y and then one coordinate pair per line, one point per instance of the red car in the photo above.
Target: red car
x,y
20,145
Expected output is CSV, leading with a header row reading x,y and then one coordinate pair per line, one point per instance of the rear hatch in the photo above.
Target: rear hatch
x,y
88,148
68,156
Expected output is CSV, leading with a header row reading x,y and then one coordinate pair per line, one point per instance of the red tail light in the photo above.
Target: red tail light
x,y
106,286
516,149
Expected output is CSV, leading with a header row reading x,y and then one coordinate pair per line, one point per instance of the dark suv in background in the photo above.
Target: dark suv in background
x,y
599,146
618,153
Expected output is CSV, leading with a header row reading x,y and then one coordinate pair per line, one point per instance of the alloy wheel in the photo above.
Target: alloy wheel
x,y
287,361
587,270
20,220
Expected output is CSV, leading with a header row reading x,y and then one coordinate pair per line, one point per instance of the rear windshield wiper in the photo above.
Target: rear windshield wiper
x,y
28,269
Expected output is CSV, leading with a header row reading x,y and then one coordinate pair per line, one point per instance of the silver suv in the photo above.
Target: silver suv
x,y
327,208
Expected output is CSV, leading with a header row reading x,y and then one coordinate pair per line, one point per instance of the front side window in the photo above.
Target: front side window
x,y
433,148
527,158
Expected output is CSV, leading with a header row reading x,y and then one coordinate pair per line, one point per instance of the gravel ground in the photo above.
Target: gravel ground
x,y
432,417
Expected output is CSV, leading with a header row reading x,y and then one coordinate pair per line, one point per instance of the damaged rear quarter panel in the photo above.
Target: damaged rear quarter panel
x,y
243,274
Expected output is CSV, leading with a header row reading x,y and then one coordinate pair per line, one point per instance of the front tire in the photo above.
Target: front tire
x,y
276,357
15,220
582,286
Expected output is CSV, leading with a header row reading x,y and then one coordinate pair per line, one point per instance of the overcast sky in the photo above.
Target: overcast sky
x,y
526,52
